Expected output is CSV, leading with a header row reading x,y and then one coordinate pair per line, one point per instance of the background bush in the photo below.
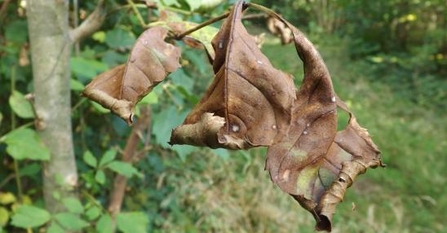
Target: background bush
x,y
387,58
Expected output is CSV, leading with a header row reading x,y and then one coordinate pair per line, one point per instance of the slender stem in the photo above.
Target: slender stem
x,y
13,88
26,125
6,180
78,104
93,200
204,24
176,10
137,13
261,8
18,180
13,126
3,9
124,7
76,24
130,151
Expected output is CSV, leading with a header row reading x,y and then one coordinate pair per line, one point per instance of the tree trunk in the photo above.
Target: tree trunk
x,y
50,52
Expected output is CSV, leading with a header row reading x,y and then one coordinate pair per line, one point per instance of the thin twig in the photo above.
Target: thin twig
x,y
137,13
204,24
7,179
262,8
77,46
3,9
89,25
120,182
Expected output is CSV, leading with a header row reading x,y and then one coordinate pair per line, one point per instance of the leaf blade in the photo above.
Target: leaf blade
x,y
70,221
20,105
122,87
253,98
23,143
27,216
132,222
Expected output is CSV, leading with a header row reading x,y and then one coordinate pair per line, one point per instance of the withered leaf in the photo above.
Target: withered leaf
x,y
313,163
253,98
150,61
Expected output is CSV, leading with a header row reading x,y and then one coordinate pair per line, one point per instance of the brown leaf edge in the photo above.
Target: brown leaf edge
x,y
122,87
354,140
243,79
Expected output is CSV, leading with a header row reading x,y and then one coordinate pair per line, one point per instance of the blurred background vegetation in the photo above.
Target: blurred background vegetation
x,y
388,60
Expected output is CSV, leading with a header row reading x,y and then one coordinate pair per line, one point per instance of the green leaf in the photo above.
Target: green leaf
x,y
112,58
86,68
24,143
4,216
98,107
132,222
7,198
119,38
164,127
125,169
104,224
20,105
107,157
171,3
151,98
100,177
70,221
16,31
99,36
55,228
90,159
27,216
194,4
93,212
30,169
73,205
75,85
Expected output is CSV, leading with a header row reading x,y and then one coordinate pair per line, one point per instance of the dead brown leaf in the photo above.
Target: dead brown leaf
x,y
314,163
150,61
253,98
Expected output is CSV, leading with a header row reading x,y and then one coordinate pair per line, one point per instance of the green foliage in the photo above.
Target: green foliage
x,y
132,222
20,105
105,224
24,143
86,67
89,159
125,169
392,63
30,216
120,38
70,221
73,205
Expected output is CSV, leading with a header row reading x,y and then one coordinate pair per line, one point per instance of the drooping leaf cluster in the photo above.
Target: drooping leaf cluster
x,y
249,104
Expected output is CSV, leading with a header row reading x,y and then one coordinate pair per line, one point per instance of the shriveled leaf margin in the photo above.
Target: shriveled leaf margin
x,y
248,99
354,141
122,87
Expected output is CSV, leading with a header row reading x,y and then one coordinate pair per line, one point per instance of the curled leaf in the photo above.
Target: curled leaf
x,y
252,97
150,61
314,163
